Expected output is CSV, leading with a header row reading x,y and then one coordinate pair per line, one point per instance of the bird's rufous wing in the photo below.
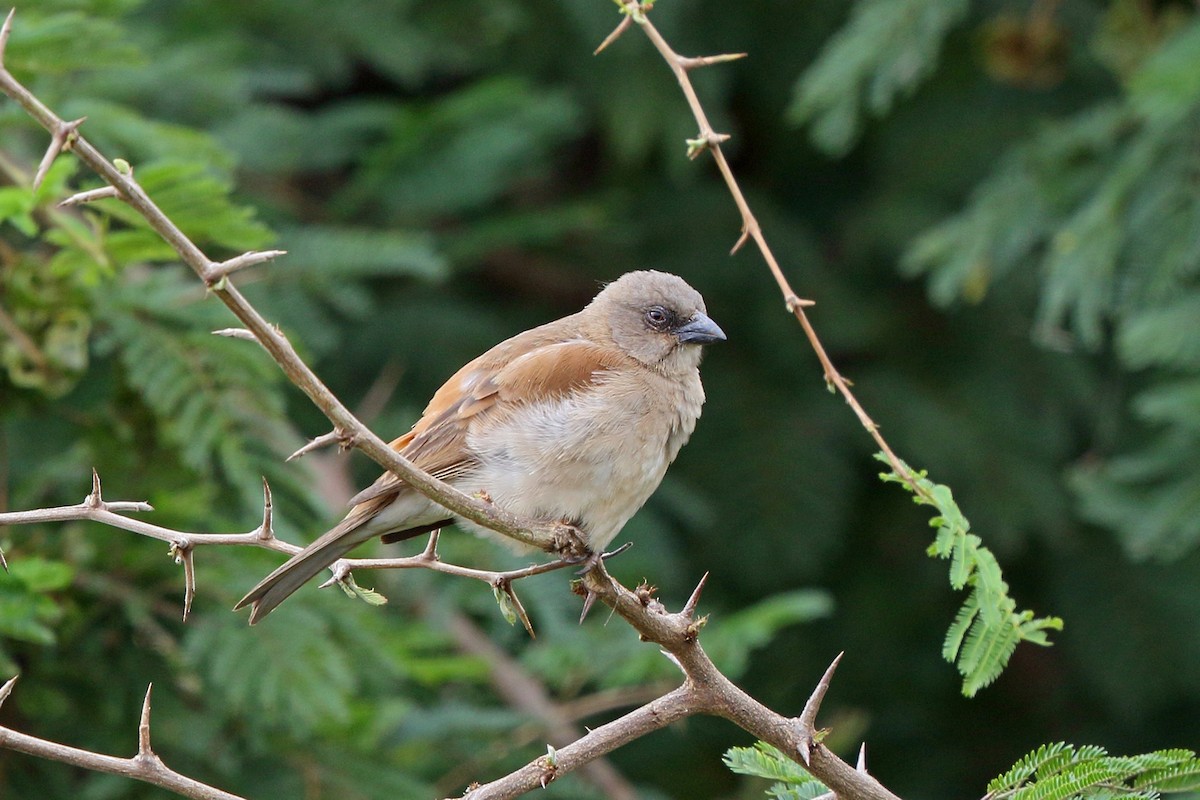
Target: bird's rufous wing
x,y
482,392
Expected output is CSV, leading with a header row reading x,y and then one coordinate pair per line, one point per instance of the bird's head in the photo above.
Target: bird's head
x,y
657,318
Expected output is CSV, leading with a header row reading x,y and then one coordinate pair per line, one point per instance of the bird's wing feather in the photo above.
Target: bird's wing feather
x,y
482,392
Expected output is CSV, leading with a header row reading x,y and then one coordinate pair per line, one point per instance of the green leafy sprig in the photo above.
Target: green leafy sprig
x,y
988,627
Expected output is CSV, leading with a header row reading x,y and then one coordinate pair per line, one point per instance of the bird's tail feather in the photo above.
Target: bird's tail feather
x,y
296,571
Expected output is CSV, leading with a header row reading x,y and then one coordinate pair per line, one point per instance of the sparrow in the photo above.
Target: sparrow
x,y
576,420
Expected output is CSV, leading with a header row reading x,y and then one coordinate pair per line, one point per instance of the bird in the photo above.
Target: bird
x,y
576,421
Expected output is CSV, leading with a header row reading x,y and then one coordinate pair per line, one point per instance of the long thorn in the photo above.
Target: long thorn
x,y
317,443
94,500
5,30
589,600
689,608
59,141
189,580
89,196
237,333
144,749
612,37
520,609
739,243
704,61
7,688
808,717
266,531
430,551
255,257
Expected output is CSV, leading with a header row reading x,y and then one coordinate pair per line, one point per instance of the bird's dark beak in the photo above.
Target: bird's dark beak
x,y
699,330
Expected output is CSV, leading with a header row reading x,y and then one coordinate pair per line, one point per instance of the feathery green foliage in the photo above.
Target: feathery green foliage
x,y
1061,771
987,628
886,49
791,780
1104,205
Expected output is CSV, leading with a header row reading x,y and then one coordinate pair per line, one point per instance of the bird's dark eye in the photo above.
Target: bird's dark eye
x,y
657,317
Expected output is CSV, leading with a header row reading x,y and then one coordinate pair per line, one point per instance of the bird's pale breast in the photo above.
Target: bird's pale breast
x,y
593,457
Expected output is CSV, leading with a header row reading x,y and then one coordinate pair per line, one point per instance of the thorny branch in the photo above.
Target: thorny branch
x,y
635,11
96,509
145,766
705,690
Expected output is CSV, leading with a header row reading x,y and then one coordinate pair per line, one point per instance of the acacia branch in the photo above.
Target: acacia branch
x,y
705,690
520,690
146,766
96,509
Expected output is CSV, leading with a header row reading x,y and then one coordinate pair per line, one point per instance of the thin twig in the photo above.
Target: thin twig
x,y
96,509
751,229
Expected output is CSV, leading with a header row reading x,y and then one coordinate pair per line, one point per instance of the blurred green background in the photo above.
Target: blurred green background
x,y
994,204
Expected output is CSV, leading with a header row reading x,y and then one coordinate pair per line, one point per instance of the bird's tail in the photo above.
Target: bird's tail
x,y
297,570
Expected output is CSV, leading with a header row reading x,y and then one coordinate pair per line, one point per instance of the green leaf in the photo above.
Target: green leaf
x,y
368,596
765,761
988,628
507,609
1060,771
1167,85
886,49
343,253
41,575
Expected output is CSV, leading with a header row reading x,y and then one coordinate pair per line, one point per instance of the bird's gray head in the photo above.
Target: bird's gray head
x,y
657,318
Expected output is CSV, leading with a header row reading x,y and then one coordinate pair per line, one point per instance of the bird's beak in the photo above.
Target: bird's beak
x,y
700,330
